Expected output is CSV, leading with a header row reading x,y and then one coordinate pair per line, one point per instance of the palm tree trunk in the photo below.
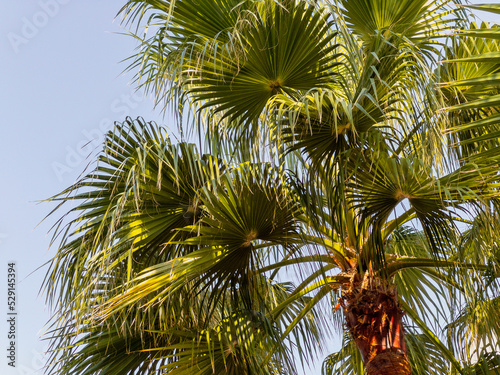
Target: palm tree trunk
x,y
374,319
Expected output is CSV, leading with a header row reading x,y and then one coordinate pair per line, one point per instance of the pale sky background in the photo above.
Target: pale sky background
x,y
60,88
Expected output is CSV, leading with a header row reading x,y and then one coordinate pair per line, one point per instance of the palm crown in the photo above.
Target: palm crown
x,y
354,143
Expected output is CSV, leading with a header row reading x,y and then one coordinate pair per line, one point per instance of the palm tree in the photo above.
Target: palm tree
x,y
346,179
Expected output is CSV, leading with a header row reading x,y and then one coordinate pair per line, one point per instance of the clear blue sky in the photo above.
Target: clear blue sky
x,y
61,88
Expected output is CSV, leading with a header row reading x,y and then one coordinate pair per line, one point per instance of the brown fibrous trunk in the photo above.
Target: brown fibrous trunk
x,y
374,320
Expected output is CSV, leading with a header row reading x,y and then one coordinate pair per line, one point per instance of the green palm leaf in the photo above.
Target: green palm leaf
x,y
352,177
